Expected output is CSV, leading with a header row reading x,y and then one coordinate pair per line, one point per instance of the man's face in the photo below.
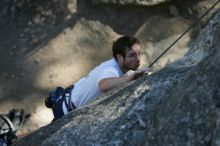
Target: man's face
x,y
132,58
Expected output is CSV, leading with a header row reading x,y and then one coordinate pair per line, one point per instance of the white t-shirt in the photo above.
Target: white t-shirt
x,y
86,89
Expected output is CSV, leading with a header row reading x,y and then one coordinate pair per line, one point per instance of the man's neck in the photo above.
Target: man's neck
x,y
123,69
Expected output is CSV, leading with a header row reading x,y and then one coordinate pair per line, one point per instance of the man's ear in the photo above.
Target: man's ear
x,y
120,58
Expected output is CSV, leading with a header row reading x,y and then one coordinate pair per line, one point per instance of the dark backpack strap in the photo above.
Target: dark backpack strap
x,y
67,98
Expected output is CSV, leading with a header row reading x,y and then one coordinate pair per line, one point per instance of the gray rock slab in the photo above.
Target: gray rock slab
x,y
175,106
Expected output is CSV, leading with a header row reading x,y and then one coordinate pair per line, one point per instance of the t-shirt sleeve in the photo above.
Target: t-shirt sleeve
x,y
107,73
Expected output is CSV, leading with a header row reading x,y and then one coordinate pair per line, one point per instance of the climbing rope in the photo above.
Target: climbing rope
x,y
184,33
198,20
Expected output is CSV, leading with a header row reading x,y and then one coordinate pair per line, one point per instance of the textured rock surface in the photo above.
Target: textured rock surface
x,y
130,2
179,105
39,37
204,44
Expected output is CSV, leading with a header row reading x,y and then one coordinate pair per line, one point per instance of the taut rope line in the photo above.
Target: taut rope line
x,y
184,33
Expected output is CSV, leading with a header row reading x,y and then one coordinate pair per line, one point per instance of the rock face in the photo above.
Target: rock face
x,y
179,105
131,2
202,46
44,44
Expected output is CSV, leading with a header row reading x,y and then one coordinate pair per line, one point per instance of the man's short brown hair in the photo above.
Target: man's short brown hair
x,y
123,43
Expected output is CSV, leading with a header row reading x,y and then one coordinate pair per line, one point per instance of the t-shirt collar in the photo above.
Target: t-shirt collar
x,y
119,69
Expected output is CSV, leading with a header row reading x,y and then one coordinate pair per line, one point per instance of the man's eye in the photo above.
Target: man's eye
x,y
133,55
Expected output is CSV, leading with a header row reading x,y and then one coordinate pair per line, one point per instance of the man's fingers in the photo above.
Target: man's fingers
x,y
145,69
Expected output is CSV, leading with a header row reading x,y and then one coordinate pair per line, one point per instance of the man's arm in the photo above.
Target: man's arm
x,y
108,84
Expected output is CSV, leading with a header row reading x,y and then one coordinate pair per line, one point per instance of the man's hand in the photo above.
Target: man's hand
x,y
110,83
138,73
145,69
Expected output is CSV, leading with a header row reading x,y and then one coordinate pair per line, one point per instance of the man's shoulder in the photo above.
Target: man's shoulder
x,y
108,63
110,66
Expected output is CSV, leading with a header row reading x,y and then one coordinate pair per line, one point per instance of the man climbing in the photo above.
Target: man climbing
x,y
105,77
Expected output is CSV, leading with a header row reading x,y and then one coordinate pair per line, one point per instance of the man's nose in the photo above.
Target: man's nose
x,y
138,58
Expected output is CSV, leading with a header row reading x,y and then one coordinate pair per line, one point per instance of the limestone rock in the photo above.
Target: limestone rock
x,y
175,106
173,10
204,44
130,2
